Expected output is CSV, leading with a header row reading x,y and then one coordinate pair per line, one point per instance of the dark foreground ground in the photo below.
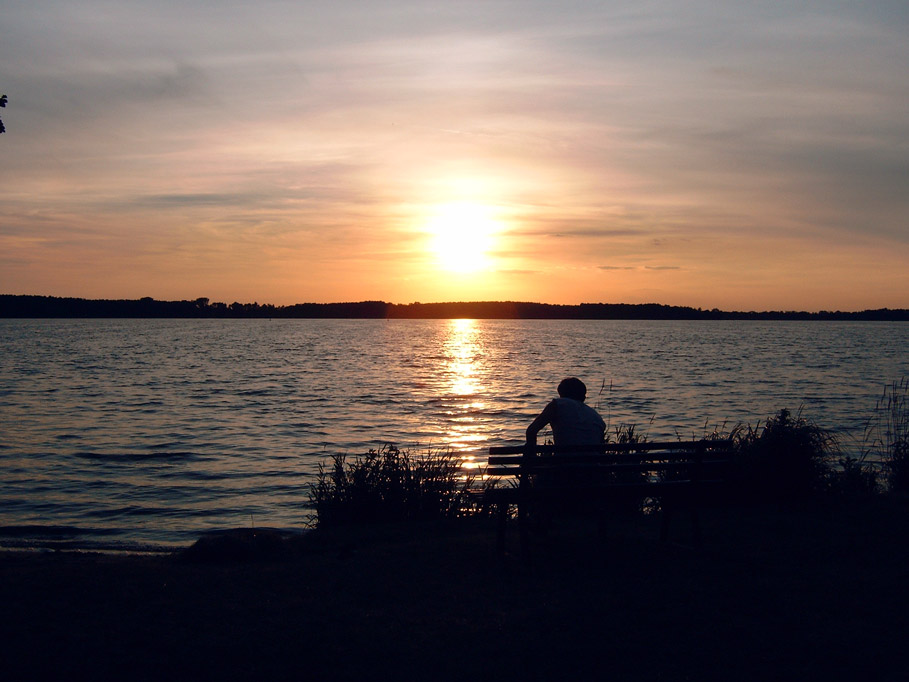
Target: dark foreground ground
x,y
774,595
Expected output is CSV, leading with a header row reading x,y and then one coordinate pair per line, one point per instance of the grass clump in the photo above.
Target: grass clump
x,y
626,434
390,484
788,459
855,479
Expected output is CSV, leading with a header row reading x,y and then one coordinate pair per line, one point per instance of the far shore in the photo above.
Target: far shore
x,y
774,594
27,306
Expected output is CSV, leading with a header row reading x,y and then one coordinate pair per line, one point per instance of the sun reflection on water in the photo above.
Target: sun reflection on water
x,y
463,374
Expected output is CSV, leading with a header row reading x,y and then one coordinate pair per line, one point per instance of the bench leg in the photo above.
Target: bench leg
x,y
665,519
695,525
501,525
668,509
524,528
602,526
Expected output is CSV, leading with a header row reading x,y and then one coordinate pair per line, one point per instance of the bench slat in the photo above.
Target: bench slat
x,y
564,463
564,460
702,445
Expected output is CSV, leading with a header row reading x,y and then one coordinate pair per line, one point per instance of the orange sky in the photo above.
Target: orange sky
x,y
739,156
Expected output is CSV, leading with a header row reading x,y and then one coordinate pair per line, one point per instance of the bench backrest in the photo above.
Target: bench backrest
x,y
699,458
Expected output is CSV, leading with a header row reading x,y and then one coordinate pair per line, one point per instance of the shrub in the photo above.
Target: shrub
x,y
788,459
389,484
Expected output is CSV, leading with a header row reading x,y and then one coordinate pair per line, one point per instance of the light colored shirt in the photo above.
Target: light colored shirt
x,y
576,423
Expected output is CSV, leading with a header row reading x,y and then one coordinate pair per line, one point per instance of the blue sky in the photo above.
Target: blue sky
x,y
715,154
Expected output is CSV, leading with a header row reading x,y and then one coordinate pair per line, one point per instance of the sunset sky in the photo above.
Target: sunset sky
x,y
739,155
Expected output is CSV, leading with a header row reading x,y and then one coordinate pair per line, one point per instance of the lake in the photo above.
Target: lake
x,y
130,433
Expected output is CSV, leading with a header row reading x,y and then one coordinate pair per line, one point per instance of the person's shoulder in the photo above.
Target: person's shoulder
x,y
593,410
563,404
550,409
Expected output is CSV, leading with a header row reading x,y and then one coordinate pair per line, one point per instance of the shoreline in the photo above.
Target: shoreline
x,y
775,593
36,543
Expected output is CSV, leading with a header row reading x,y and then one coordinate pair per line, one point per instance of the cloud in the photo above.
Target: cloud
x,y
638,267
520,272
556,232
191,200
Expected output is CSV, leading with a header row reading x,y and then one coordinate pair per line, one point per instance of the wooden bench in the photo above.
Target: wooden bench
x,y
676,474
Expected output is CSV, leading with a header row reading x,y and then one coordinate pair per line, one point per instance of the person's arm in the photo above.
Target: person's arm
x,y
545,417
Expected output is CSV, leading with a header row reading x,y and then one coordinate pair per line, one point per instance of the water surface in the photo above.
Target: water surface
x,y
150,431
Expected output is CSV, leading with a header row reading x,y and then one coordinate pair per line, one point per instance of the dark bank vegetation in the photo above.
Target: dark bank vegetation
x,y
14,306
391,484
787,459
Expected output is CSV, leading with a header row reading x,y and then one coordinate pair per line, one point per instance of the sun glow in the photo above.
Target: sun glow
x,y
462,235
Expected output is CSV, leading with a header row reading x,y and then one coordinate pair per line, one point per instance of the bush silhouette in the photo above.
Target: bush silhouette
x,y
788,459
389,484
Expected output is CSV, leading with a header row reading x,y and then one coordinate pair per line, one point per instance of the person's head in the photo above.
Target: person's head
x,y
573,388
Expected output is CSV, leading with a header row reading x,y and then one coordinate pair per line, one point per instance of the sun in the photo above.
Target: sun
x,y
462,236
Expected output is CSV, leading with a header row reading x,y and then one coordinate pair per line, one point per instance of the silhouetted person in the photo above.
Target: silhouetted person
x,y
572,421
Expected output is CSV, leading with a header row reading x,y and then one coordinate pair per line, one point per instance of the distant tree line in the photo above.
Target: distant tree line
x,y
50,306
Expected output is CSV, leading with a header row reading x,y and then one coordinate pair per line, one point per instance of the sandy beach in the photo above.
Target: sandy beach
x,y
774,594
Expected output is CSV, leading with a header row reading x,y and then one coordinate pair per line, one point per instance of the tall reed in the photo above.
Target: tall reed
x,y
886,434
